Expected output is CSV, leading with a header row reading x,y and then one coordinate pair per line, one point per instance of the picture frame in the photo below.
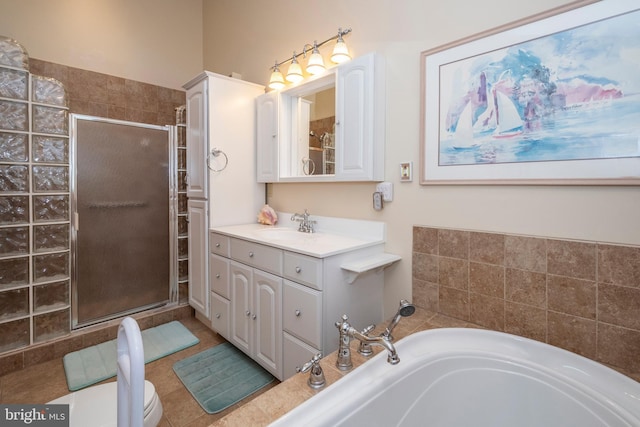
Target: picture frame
x,y
553,99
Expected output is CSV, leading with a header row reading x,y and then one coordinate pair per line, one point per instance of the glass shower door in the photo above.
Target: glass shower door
x,y
121,232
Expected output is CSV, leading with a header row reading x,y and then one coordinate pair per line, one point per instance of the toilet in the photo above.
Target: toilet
x,y
130,401
97,406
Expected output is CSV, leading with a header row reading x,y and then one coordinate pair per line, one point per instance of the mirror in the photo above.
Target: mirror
x,y
309,116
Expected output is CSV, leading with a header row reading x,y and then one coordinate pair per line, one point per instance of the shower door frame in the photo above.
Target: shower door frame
x,y
172,297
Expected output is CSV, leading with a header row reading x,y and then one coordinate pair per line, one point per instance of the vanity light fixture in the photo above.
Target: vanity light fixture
x,y
277,80
294,75
315,64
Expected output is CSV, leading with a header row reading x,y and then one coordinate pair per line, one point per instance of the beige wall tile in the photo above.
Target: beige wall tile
x,y
526,287
619,305
525,320
486,279
525,253
425,267
572,333
453,273
487,311
619,347
453,243
454,303
486,247
572,296
425,240
571,259
425,294
619,265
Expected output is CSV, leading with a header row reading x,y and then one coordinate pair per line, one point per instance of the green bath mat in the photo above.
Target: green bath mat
x,y
96,363
221,376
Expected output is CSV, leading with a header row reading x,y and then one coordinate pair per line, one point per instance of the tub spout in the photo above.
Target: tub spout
x,y
381,340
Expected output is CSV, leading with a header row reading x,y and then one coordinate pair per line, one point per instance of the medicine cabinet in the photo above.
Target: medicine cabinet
x,y
326,128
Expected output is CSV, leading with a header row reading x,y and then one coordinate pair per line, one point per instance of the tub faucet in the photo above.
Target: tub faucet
x,y
306,224
348,332
406,309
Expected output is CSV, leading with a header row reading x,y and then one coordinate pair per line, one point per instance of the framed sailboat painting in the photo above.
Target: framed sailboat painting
x,y
553,99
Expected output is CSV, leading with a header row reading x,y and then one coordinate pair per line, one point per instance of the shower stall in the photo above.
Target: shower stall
x,y
123,227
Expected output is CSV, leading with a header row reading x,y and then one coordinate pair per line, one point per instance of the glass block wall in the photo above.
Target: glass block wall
x,y
34,203
183,231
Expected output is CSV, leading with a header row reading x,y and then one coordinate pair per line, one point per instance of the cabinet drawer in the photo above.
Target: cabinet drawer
x,y
219,244
302,312
296,354
219,275
303,269
220,315
260,256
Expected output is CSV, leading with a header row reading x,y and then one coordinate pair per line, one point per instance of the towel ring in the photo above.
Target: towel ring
x,y
308,166
215,152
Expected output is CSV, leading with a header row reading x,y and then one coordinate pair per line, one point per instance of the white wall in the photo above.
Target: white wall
x,y
255,33
152,41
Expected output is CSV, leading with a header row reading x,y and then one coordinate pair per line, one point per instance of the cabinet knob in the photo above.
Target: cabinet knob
x,y
217,245
250,254
298,269
217,315
298,313
217,275
248,313
254,317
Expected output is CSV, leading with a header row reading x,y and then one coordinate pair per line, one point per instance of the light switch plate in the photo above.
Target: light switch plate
x,y
378,204
386,188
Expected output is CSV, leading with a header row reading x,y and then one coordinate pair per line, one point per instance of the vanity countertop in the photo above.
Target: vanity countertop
x,y
333,236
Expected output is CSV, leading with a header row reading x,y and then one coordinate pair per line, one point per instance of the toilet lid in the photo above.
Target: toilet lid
x,y
98,405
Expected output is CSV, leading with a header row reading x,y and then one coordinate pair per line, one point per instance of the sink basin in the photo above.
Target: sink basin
x,y
283,234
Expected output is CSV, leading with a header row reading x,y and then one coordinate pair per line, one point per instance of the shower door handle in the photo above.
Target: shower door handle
x,y
76,221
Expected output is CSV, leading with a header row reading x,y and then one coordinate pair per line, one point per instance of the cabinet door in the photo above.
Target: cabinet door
x,y
198,282
197,141
267,137
241,306
268,321
356,100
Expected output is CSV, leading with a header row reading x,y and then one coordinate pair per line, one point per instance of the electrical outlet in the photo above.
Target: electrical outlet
x,y
386,188
377,201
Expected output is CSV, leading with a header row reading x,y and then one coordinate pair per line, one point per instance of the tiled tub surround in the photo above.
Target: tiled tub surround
x,y
577,295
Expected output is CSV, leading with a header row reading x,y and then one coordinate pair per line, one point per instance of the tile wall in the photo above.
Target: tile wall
x,y
578,295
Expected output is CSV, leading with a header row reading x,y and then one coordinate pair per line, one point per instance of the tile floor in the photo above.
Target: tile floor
x,y
46,381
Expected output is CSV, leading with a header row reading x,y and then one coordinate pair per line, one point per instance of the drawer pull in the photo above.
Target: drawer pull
x,y
217,245
217,315
250,254
298,313
298,269
217,275
248,313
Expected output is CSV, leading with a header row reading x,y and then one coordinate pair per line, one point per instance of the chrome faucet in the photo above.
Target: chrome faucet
x,y
316,377
406,309
348,332
306,224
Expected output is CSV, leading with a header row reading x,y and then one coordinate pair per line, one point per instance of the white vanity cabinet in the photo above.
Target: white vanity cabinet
x,y
359,137
279,305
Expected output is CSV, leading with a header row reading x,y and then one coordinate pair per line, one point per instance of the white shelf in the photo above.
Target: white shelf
x,y
378,263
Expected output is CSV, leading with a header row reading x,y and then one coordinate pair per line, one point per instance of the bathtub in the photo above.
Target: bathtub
x,y
474,378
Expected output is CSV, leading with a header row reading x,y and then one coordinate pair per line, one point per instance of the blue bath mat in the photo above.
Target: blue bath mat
x,y
221,376
96,363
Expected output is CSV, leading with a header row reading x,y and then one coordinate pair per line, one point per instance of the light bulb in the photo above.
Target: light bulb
x,y
340,51
276,81
294,74
315,65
